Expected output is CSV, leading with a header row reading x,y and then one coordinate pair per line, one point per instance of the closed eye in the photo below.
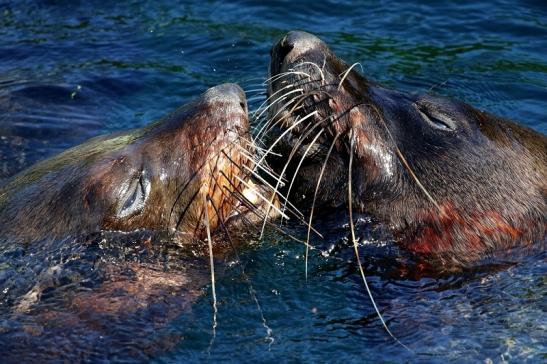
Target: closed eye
x,y
135,196
435,118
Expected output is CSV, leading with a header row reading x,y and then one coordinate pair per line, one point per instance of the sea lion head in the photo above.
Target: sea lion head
x,y
158,177
449,180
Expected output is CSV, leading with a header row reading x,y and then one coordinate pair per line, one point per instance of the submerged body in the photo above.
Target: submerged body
x,y
453,184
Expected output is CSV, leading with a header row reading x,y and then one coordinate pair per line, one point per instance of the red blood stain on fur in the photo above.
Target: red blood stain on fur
x,y
453,230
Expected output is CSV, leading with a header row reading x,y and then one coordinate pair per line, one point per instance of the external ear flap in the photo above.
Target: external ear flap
x,y
94,191
334,106
357,119
371,149
88,196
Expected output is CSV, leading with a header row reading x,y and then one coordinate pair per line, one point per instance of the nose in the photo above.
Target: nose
x,y
293,45
227,92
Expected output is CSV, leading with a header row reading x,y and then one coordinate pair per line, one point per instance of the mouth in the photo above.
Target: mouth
x,y
218,180
233,194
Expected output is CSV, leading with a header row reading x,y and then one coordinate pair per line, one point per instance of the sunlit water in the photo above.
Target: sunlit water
x,y
70,70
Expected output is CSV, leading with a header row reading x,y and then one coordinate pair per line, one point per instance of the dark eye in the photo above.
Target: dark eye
x,y
436,118
135,196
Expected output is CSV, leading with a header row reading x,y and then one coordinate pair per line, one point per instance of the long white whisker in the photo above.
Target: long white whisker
x,y
270,204
284,96
315,199
269,98
294,210
346,73
295,148
261,166
297,105
288,130
272,121
297,213
405,162
355,246
212,265
315,65
260,149
253,90
262,125
256,97
252,292
284,74
300,163
252,209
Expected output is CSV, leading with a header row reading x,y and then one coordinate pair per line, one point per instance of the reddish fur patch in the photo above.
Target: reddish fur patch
x,y
450,230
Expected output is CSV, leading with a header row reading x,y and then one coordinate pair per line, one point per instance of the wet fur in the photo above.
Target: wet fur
x,y
78,191
486,179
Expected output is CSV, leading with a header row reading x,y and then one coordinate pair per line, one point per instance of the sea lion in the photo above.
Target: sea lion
x,y
155,178
454,185
105,244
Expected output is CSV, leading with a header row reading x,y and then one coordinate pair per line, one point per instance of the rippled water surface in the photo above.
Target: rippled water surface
x,y
70,70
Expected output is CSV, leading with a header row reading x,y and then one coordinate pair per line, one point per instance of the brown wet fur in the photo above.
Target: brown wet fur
x,y
484,178
190,153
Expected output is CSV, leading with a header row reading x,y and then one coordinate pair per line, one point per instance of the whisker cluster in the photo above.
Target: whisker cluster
x,y
294,106
294,109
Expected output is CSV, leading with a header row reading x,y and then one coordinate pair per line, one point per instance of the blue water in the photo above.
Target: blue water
x,y
72,69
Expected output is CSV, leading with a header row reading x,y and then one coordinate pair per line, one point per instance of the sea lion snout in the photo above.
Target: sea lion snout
x,y
229,103
229,93
293,45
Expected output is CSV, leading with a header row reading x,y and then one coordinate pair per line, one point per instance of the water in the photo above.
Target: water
x,y
70,70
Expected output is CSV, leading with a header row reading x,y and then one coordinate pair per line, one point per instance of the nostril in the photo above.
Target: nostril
x,y
284,49
242,104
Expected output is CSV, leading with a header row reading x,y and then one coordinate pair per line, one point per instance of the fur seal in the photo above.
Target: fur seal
x,y
153,178
454,185
104,243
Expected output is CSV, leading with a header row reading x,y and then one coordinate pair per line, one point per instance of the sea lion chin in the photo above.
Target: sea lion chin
x,y
158,177
454,184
